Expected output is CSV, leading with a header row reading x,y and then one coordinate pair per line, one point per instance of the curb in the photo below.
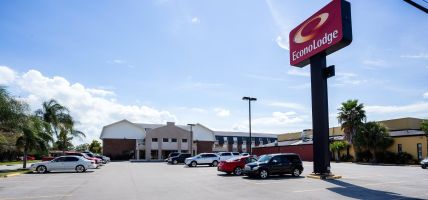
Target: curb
x,y
324,177
13,174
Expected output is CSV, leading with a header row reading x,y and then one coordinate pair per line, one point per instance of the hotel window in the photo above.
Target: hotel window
x,y
419,147
174,139
400,148
165,140
154,140
183,140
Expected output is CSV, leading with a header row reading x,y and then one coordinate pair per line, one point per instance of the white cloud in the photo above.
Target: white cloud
x,y
278,118
298,72
404,109
289,105
282,41
425,95
221,112
119,61
262,77
301,86
376,62
416,56
92,108
347,79
195,20
6,75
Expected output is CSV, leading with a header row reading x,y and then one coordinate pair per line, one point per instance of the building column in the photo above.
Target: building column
x,y
148,148
137,150
160,148
179,145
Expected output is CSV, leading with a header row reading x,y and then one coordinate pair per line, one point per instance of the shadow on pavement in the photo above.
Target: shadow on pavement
x,y
279,177
63,172
359,192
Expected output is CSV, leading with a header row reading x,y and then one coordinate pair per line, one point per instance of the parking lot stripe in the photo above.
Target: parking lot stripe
x,y
36,197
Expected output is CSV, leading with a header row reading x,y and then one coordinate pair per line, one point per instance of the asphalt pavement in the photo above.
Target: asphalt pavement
x,y
152,181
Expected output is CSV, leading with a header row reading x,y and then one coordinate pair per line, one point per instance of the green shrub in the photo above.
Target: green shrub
x,y
364,156
346,158
404,158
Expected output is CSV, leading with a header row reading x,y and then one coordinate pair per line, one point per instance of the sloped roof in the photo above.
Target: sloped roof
x,y
244,134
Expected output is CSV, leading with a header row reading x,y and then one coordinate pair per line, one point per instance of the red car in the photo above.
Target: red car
x,y
96,160
235,165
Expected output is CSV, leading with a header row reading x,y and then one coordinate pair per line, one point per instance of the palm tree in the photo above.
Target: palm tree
x,y
351,116
33,137
67,132
52,112
374,136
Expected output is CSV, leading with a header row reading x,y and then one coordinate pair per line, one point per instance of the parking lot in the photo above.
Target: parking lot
x,y
125,180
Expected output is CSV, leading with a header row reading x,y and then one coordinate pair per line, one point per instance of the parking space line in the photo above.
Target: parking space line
x,y
36,197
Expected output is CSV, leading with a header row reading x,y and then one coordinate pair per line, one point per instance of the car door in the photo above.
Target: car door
x,y
275,165
70,163
56,164
286,164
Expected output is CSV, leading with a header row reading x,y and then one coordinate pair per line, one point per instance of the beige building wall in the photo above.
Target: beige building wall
x,y
169,131
409,145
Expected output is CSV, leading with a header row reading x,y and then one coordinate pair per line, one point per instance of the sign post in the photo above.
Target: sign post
x,y
325,32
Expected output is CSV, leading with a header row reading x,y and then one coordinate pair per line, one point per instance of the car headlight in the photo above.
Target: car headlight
x,y
256,168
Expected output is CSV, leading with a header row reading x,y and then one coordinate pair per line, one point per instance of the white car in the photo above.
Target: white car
x,y
228,155
63,163
210,159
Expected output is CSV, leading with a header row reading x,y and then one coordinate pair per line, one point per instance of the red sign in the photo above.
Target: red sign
x,y
327,30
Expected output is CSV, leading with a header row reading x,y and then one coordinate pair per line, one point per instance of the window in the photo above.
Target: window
x,y
174,139
71,159
183,140
225,154
419,147
154,140
165,140
154,153
235,153
400,148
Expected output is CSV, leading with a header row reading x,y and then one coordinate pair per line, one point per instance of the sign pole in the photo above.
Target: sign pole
x,y
321,151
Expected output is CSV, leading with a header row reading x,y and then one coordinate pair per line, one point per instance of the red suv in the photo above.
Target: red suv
x,y
235,165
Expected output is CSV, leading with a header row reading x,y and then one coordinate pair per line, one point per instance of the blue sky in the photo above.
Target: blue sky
x,y
192,61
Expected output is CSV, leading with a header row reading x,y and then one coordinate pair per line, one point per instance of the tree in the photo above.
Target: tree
x,y
337,146
351,116
95,146
54,114
374,137
33,137
67,133
424,128
12,113
82,147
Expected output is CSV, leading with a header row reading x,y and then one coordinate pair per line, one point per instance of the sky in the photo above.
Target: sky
x,y
192,61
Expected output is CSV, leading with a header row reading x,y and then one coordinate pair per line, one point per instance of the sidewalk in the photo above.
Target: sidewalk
x,y
5,168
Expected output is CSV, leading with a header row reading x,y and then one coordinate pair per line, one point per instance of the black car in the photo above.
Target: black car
x,y
179,158
275,164
173,154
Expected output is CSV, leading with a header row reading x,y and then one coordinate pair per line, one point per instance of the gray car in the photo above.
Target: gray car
x,y
424,163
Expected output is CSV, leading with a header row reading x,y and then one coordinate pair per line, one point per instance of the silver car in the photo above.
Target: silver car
x,y
64,163
210,159
424,163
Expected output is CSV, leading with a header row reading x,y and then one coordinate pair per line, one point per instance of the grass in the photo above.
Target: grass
x,y
18,162
17,171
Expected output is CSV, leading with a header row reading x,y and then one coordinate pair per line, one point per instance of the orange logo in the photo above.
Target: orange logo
x,y
299,38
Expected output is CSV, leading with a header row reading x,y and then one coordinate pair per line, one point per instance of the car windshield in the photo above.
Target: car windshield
x,y
264,158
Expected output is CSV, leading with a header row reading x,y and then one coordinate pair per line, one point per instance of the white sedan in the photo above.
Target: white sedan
x,y
63,163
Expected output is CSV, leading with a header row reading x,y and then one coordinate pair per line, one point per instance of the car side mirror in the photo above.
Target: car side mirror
x,y
274,161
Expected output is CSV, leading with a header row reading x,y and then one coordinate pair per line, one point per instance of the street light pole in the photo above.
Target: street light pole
x,y
249,99
191,137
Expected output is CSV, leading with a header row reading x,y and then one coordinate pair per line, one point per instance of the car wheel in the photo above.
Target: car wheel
x,y
237,171
174,162
193,164
296,172
215,163
264,174
41,169
80,168
424,166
